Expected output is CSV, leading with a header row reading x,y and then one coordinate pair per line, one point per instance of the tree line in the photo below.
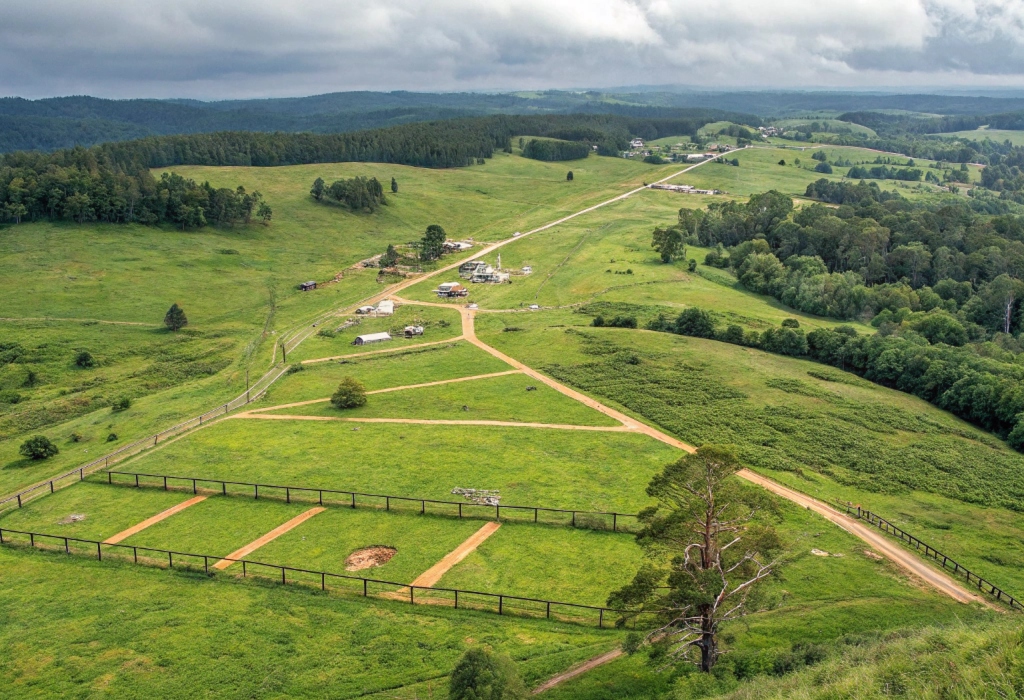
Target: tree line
x,y
555,150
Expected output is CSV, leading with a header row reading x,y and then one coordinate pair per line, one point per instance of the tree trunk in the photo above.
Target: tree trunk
x,y
708,646
1008,314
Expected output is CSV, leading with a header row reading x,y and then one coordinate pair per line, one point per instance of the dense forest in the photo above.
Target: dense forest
x,y
555,150
112,182
941,283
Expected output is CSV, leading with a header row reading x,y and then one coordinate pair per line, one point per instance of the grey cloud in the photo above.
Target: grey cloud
x,y
204,49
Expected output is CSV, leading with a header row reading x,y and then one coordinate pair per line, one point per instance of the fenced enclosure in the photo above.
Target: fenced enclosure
x,y
947,562
341,584
79,473
593,520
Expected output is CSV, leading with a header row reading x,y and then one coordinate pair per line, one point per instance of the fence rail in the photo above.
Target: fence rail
x,y
325,580
588,519
79,473
947,562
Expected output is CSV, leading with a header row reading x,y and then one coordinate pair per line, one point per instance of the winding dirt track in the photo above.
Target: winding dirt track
x,y
892,551
435,421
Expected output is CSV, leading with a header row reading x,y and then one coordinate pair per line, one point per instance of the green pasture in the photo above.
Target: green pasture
x,y
997,135
438,324
403,368
515,397
104,510
834,124
816,428
530,466
113,628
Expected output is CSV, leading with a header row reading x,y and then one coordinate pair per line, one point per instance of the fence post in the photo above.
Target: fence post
x,y
110,478
170,560
135,554
223,488
460,510
387,503
615,522
287,495
353,500
31,539
600,618
2,536
412,595
19,500
501,605
574,518
81,474
497,512
549,610
456,598
257,491
323,581
364,587
243,568
535,514
194,487
51,485
321,496
136,481
99,552
283,581
206,564
423,507
67,549
165,483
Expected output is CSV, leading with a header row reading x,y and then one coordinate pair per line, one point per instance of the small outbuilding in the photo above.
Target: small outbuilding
x,y
385,308
451,290
411,331
364,310
306,286
370,338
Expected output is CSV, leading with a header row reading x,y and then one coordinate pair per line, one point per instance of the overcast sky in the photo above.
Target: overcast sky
x,y
215,49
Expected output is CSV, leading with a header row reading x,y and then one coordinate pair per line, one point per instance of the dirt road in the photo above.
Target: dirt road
x,y
429,421
163,515
269,537
433,574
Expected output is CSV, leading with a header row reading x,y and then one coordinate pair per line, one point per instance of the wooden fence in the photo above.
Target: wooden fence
x,y
586,519
947,562
324,580
79,473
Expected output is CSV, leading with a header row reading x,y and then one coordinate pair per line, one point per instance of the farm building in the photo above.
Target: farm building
x,y
370,338
636,143
450,290
685,189
411,331
363,310
470,268
489,275
457,245
306,286
385,308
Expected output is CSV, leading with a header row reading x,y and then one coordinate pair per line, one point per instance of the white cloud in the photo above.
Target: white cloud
x,y
265,47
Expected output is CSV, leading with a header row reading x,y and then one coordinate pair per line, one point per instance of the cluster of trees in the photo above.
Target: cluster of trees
x,y
857,261
551,150
919,356
432,243
882,172
78,186
357,193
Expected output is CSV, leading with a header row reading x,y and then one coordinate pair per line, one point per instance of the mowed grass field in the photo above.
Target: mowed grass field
x,y
997,135
238,287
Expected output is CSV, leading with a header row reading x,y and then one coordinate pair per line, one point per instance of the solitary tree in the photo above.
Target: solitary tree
x,y
669,242
394,186
704,526
175,318
695,322
432,245
38,447
318,189
481,675
568,176
84,359
350,394
390,257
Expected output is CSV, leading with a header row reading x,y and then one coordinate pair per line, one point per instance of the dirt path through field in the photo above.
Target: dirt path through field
x,y
433,574
269,537
589,665
163,515
894,552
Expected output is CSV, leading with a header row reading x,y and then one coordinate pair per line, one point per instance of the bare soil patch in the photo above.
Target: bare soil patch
x,y
369,557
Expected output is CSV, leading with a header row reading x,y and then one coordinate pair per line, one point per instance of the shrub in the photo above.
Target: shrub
x,y
112,437
9,396
350,394
790,323
84,359
823,168
695,322
598,321
481,675
121,404
297,367
75,437
38,447
692,265
326,333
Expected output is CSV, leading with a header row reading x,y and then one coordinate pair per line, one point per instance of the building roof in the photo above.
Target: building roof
x,y
371,337
386,305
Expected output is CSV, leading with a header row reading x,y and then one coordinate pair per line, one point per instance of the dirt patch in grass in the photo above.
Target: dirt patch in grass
x,y
369,557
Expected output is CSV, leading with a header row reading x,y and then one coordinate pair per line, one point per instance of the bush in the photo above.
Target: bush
x,y
121,404
481,675
692,265
38,447
84,359
9,396
695,322
350,394
823,168
326,333
790,323
112,437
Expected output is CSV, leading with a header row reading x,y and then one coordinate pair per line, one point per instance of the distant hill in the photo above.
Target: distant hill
x,y
62,122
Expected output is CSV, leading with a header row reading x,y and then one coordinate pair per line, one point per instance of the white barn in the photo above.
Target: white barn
x,y
370,338
385,308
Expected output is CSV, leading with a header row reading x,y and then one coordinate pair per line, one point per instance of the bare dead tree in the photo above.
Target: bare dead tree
x,y
717,553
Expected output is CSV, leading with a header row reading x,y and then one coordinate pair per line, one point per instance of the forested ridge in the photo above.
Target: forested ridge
x,y
112,182
941,283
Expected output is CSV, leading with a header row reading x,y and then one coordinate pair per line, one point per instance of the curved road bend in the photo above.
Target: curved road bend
x,y
877,540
